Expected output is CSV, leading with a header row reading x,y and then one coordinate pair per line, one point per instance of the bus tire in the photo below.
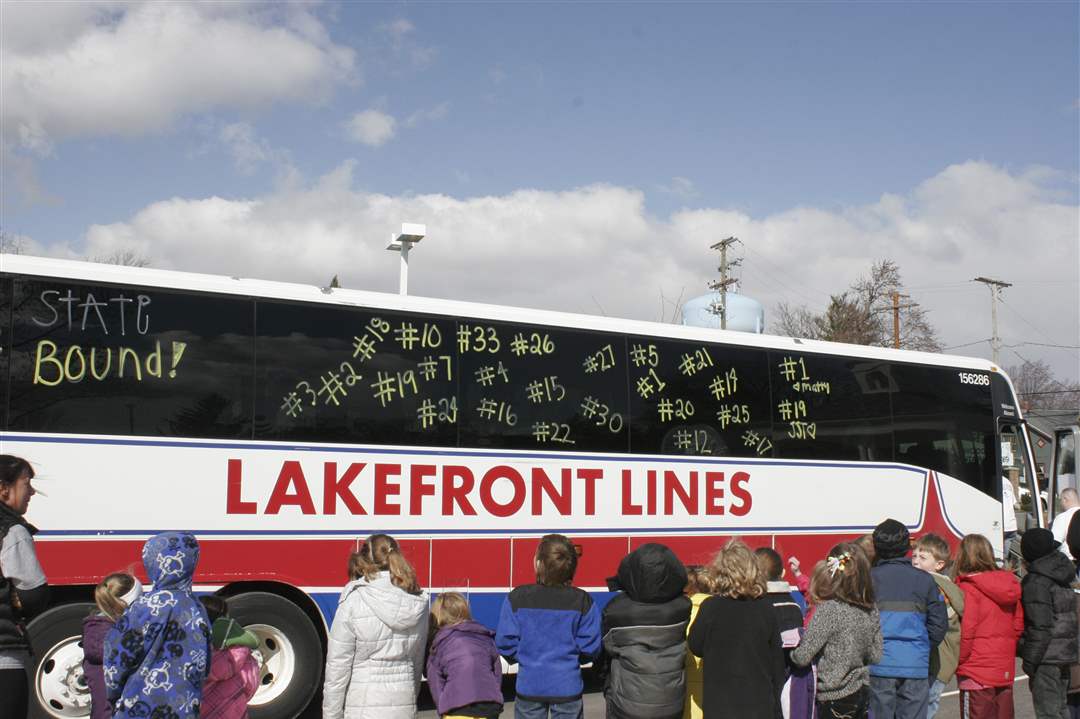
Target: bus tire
x,y
291,650
57,686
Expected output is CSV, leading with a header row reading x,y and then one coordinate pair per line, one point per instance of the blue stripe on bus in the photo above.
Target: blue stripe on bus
x,y
283,447
485,606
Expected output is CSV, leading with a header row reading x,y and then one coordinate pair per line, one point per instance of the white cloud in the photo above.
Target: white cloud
x,y
371,127
681,187
559,250
106,68
430,114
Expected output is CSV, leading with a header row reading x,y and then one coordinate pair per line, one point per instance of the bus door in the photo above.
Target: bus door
x,y
1020,492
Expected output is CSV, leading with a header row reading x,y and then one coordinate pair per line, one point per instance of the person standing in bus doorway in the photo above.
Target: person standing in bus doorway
x,y
1070,503
375,655
913,621
157,654
549,628
1048,645
24,591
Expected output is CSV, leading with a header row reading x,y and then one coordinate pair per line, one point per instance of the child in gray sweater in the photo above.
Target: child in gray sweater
x,y
844,633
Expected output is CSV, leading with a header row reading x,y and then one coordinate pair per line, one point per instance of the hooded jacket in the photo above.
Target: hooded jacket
x,y
1049,612
233,680
375,654
992,623
913,618
463,667
95,627
945,657
644,636
158,653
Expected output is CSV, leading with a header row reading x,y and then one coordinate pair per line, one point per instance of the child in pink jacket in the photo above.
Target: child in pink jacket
x,y
234,670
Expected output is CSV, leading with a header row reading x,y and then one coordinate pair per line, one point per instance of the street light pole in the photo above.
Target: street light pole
x,y
410,234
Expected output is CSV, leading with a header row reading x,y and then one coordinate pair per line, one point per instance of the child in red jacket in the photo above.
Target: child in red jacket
x,y
991,626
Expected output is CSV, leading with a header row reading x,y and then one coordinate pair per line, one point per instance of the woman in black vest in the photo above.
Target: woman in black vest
x,y
23,589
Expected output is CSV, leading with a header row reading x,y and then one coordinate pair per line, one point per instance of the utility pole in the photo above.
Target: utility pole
x,y
896,307
720,307
995,287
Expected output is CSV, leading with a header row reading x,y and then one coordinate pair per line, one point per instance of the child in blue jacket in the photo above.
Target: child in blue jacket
x,y
549,628
157,654
913,622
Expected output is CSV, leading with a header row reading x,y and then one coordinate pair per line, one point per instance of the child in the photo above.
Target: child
x,y
737,635
1048,645
548,628
797,697
234,671
993,620
644,629
464,671
699,587
115,594
157,654
931,554
913,621
844,634
375,656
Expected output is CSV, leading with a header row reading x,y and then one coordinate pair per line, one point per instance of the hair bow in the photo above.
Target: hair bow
x,y
837,564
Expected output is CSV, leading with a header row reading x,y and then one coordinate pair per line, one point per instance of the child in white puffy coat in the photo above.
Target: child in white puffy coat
x,y
375,656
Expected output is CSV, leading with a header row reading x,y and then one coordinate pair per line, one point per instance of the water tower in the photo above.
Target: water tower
x,y
744,314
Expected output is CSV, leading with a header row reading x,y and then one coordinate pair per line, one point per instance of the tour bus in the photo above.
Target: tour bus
x,y
283,423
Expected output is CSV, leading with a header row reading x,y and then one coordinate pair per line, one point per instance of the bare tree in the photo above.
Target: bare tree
x,y
795,321
127,258
12,244
1038,387
860,315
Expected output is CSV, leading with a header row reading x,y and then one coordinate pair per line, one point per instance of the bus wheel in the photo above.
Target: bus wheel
x,y
291,652
57,686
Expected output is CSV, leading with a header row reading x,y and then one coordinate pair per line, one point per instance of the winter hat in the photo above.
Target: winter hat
x,y
891,539
227,632
1037,543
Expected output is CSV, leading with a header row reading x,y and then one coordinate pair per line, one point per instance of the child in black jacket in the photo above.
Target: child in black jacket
x,y
738,637
644,631
1048,645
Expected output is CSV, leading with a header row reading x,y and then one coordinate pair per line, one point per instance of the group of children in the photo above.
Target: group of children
x,y
163,654
880,635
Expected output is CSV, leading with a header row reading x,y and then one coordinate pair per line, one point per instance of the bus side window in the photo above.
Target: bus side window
x,y
945,424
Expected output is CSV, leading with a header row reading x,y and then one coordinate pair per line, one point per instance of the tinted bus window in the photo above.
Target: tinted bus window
x,y
123,360
5,346
698,398
531,387
831,407
337,374
943,419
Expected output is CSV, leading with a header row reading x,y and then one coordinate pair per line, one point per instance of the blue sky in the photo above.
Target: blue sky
x,y
744,114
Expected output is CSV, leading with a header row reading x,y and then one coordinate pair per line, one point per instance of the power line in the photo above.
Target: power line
x,y
969,344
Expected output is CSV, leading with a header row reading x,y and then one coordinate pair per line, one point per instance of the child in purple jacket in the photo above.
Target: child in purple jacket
x,y
112,597
464,671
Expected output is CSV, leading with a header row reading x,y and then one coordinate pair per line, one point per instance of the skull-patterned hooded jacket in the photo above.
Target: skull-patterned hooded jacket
x,y
158,653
